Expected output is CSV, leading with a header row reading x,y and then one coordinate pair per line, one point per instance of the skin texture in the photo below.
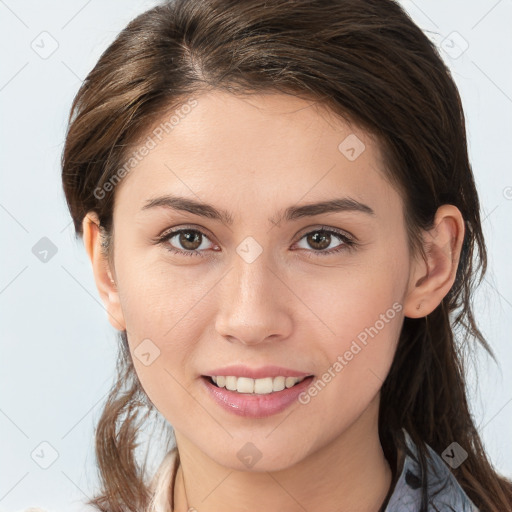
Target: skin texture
x,y
254,156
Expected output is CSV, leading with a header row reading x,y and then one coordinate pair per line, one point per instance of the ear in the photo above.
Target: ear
x,y
105,283
430,282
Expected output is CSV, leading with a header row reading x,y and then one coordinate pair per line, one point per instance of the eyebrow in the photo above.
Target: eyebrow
x,y
343,204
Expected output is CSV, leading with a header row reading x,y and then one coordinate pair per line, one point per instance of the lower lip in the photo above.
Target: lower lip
x,y
252,405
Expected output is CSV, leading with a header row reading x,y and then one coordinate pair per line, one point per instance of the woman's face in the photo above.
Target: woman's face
x,y
258,287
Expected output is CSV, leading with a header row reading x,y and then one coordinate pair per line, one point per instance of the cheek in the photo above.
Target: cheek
x,y
357,361
359,318
157,298
363,342
163,361
162,323
352,301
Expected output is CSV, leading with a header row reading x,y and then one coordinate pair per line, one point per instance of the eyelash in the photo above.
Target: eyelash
x,y
347,245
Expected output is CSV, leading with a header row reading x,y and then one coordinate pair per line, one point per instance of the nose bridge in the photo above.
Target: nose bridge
x,y
249,308
251,275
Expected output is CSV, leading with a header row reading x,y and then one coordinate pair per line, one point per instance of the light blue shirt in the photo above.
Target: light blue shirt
x,y
406,495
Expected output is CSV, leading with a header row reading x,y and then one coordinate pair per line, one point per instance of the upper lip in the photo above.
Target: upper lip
x,y
256,373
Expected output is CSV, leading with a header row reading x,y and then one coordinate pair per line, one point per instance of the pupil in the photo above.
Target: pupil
x,y
321,235
187,239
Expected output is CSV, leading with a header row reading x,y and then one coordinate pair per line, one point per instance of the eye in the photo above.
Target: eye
x,y
190,242
320,239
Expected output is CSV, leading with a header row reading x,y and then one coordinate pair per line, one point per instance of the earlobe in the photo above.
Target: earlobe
x,y
103,275
430,281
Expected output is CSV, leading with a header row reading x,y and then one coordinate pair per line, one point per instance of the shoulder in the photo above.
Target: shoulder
x,y
160,486
443,490
162,483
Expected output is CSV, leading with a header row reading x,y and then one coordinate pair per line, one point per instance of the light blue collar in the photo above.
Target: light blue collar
x,y
406,495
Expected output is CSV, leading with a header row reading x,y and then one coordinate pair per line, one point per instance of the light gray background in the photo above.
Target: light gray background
x,y
58,349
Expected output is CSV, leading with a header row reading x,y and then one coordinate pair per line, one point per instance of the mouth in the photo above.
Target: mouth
x,y
248,386
255,398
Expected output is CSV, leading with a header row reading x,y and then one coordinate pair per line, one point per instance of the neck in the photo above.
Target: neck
x,y
348,474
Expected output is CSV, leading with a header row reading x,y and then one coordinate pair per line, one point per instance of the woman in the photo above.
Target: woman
x,y
283,226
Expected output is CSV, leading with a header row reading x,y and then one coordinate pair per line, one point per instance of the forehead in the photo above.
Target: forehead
x,y
245,152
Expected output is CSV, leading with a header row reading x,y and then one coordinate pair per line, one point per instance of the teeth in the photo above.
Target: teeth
x,y
256,386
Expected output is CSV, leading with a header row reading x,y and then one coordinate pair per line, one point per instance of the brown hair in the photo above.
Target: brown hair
x,y
369,63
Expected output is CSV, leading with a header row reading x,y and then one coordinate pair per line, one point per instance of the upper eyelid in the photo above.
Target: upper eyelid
x,y
337,231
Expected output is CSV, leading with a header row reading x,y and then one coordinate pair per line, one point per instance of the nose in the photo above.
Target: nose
x,y
253,303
